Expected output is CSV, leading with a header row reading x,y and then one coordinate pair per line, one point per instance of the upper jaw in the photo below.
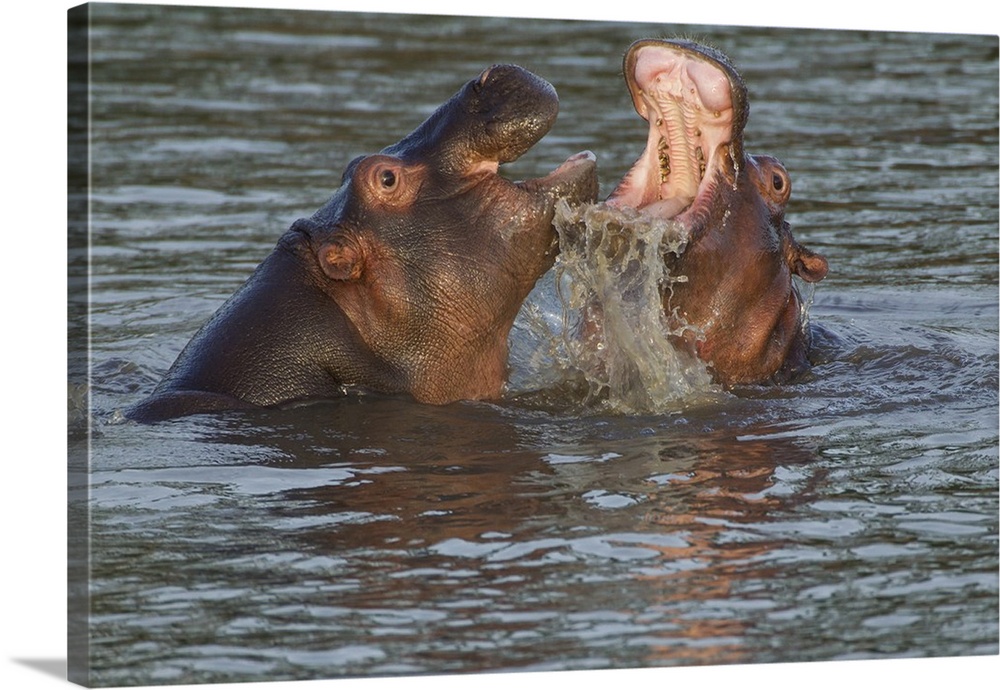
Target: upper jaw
x,y
694,102
493,119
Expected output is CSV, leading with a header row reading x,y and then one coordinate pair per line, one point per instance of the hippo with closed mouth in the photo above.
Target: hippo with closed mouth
x,y
738,307
406,281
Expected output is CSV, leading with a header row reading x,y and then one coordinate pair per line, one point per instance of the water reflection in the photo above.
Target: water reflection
x,y
416,550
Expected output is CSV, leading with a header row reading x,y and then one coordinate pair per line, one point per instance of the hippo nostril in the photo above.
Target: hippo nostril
x,y
484,76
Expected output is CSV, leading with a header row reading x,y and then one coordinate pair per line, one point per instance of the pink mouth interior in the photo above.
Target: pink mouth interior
x,y
687,101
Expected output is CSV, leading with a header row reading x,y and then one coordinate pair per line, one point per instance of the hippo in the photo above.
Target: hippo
x,y
737,309
407,281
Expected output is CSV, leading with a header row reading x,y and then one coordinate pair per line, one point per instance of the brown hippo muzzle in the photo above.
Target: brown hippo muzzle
x,y
737,306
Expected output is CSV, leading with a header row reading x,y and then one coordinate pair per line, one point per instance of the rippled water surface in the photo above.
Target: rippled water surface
x,y
852,514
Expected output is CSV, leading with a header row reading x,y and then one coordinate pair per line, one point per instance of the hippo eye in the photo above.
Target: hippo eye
x,y
387,178
777,182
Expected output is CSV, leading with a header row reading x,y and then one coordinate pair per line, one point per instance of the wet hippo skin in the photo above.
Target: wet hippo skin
x,y
738,307
406,281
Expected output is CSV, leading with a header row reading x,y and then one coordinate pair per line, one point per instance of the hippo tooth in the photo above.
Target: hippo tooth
x,y
662,148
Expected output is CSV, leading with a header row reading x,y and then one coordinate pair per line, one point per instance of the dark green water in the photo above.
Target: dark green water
x,y
850,515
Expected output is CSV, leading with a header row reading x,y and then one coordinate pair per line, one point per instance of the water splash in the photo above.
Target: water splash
x,y
610,277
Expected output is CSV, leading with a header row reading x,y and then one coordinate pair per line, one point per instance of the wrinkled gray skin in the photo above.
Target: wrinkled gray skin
x,y
742,311
407,280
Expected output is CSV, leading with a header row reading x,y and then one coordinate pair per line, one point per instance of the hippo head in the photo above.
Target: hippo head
x,y
739,309
406,281
429,252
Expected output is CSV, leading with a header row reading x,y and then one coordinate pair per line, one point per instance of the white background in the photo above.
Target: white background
x,y
33,271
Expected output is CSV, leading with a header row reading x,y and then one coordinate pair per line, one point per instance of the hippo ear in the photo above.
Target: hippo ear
x,y
808,265
340,261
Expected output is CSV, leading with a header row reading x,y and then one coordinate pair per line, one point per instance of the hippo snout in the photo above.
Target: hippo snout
x,y
495,118
515,108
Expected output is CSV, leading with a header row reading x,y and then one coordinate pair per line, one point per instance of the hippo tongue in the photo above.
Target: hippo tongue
x,y
687,100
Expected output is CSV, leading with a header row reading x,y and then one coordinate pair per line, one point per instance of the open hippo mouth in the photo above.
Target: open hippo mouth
x,y
696,106
696,256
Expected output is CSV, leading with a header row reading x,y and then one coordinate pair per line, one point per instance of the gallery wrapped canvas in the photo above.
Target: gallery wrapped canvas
x,y
383,363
